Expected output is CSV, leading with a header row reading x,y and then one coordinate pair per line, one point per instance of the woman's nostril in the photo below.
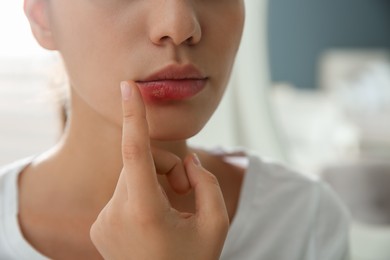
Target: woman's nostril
x,y
165,38
190,41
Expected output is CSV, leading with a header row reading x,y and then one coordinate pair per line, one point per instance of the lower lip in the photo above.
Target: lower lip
x,y
170,90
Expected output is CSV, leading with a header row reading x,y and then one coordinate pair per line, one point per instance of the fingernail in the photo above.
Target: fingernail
x,y
196,160
125,90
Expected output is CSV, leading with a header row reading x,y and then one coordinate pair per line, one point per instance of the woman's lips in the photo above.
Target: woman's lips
x,y
173,82
171,89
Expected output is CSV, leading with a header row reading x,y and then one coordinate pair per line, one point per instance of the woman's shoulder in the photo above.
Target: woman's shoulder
x,y
9,181
9,184
269,176
10,235
13,168
280,204
262,168
272,184
266,180
273,175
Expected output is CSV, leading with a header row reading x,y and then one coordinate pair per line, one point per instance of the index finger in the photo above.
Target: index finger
x,y
141,179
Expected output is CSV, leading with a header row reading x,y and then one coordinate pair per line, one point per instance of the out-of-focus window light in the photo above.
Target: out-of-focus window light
x,y
29,119
17,40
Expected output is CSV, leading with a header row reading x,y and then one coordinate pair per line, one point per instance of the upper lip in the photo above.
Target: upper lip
x,y
176,72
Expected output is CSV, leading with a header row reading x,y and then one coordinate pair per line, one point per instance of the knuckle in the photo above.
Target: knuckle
x,y
177,161
128,116
131,151
96,236
132,117
98,231
211,179
176,165
105,228
94,232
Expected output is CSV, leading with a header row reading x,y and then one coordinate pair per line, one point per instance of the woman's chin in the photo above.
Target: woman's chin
x,y
177,134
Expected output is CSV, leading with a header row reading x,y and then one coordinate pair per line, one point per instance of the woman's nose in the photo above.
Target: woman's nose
x,y
175,21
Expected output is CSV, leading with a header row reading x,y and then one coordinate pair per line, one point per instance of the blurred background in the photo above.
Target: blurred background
x,y
330,79
311,88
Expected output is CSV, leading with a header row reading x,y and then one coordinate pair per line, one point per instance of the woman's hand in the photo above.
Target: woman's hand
x,y
139,222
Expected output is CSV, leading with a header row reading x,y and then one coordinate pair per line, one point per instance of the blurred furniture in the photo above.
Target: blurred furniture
x,y
365,188
358,80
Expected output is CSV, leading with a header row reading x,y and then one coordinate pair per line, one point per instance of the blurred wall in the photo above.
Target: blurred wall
x,y
300,30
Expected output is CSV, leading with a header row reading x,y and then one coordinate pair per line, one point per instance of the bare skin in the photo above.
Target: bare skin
x,y
71,188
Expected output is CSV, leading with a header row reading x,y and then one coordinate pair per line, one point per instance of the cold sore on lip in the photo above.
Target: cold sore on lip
x,y
171,89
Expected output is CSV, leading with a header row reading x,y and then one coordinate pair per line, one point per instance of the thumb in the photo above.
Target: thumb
x,y
209,202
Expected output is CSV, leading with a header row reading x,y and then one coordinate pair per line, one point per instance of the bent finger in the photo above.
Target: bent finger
x,y
172,167
209,201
